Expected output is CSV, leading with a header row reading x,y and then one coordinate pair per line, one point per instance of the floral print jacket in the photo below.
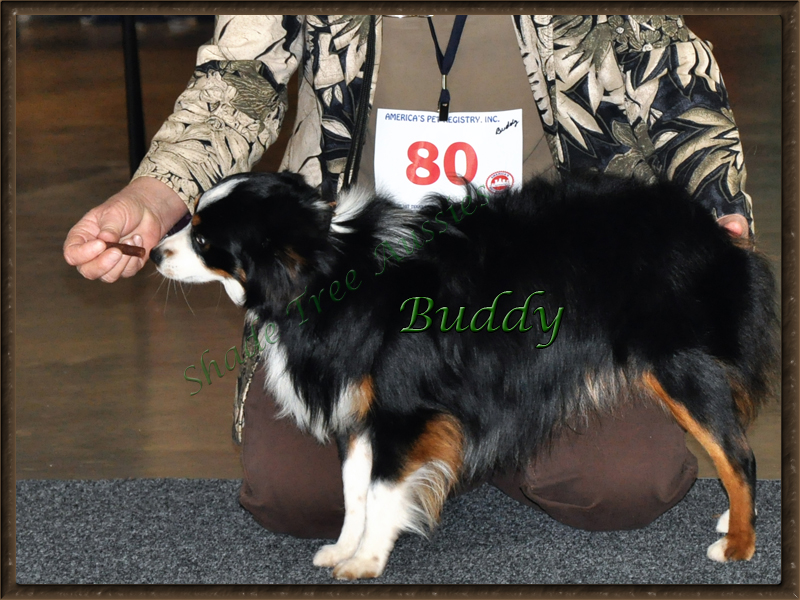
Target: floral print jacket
x,y
622,94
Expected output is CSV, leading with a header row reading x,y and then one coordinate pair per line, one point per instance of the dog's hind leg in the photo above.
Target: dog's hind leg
x,y
406,493
696,392
356,473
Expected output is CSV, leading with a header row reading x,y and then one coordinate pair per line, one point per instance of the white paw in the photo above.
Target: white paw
x,y
331,555
716,551
359,567
722,524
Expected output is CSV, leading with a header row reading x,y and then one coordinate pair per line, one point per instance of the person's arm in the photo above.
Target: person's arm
x,y
638,95
695,139
233,106
141,214
231,111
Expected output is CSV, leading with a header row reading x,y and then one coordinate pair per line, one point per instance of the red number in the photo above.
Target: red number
x,y
425,162
450,163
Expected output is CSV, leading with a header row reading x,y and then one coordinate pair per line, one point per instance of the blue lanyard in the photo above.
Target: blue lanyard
x,y
446,61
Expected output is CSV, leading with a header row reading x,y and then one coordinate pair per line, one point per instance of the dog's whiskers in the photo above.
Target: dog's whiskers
x,y
185,298
169,283
158,288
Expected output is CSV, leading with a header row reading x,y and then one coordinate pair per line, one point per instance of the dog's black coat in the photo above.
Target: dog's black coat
x,y
648,281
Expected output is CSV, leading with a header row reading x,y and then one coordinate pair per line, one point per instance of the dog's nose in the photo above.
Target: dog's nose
x,y
156,256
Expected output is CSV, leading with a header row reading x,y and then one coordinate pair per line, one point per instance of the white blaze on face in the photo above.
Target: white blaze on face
x,y
181,263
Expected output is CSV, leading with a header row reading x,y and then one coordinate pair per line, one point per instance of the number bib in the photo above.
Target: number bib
x,y
416,154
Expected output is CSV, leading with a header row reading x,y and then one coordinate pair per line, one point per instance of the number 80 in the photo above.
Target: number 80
x,y
427,163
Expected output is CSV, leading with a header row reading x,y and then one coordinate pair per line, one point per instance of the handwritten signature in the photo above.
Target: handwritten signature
x,y
511,123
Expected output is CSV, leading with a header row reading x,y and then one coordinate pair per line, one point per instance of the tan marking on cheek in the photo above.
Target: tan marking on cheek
x,y
741,536
220,272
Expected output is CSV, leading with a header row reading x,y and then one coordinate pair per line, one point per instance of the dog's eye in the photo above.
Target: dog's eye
x,y
199,240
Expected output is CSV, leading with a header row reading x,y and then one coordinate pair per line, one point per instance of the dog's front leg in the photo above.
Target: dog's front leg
x,y
389,511
356,470
405,496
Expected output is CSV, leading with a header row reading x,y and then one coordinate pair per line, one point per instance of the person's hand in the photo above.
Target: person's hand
x,y
140,214
735,225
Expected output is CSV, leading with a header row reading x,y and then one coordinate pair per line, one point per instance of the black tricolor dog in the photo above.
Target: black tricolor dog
x,y
658,305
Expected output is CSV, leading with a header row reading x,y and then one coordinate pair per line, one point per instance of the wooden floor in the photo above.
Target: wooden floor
x,y
99,368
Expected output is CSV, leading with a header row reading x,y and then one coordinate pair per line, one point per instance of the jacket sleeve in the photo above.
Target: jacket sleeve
x,y
233,106
636,94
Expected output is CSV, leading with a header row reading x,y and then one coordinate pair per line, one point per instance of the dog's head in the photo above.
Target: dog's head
x,y
257,233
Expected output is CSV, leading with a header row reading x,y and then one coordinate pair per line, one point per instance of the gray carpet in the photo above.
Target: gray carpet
x,y
179,531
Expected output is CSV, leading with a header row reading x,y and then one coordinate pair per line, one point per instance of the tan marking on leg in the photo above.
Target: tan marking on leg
x,y
363,398
436,458
741,538
745,407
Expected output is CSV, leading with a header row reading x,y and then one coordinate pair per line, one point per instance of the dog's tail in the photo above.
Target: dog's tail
x,y
753,374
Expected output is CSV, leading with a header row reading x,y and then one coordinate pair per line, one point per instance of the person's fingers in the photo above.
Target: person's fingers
x,y
78,251
143,211
734,228
117,270
100,266
86,240
134,264
81,244
735,225
110,265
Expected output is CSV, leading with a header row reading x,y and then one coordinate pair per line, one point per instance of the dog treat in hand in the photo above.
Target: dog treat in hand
x,y
127,249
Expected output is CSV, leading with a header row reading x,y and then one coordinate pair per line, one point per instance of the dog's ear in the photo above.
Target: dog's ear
x,y
272,284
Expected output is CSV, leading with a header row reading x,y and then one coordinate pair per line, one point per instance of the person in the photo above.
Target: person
x,y
621,94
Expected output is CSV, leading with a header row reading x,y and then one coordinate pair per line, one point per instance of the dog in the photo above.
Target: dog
x,y
609,290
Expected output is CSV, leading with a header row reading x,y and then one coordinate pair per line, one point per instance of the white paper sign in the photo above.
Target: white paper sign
x,y
416,154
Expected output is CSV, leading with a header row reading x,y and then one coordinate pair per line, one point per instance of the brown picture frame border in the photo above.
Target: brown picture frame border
x,y
788,11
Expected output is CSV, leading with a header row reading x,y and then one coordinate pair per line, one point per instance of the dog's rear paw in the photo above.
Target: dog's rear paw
x,y
359,568
331,555
716,551
726,549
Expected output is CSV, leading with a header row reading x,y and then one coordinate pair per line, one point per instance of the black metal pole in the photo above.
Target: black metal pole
x,y
133,93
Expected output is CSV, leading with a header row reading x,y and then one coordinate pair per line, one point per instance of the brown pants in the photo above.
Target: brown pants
x,y
621,473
